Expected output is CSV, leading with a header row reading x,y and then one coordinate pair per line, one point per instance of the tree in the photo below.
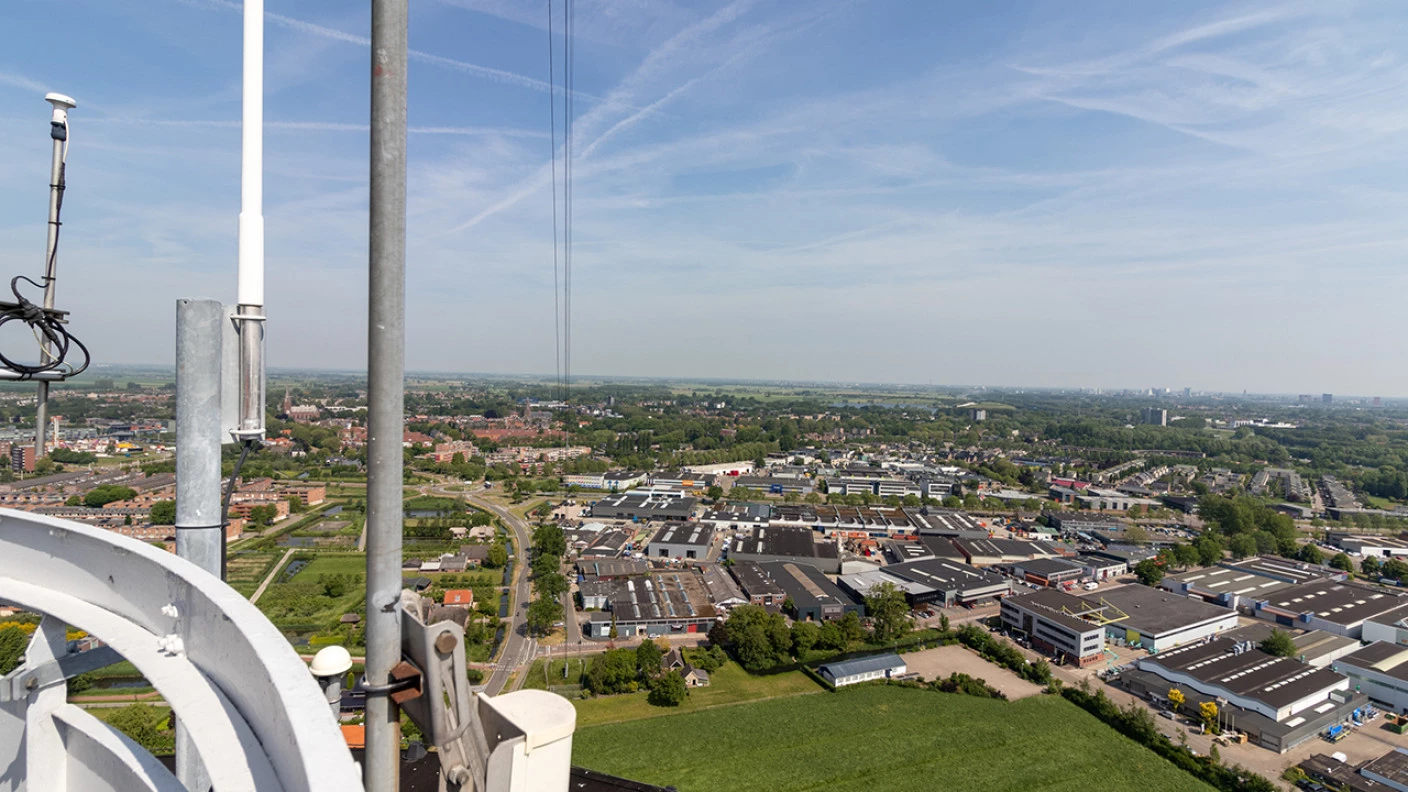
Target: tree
x,y
333,585
648,657
13,642
1242,545
1395,568
1136,534
1209,549
496,556
1149,572
812,498
164,512
145,724
1185,555
544,510
74,500
543,613
1176,697
613,671
851,628
714,492
888,611
552,585
804,636
943,623
1343,562
1371,567
1279,644
668,690
1311,554
1208,712
107,493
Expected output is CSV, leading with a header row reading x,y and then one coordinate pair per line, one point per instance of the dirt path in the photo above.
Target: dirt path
x,y
269,578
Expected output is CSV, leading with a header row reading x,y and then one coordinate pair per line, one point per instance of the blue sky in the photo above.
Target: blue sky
x,y
1006,193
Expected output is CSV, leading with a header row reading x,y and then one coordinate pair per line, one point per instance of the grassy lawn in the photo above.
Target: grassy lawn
x,y
876,739
301,600
332,564
729,685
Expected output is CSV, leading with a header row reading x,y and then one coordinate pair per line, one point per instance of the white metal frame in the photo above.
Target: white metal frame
x,y
255,714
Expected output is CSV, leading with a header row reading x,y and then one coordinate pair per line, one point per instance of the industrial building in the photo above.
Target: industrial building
x,y
989,552
813,596
946,522
631,506
1370,545
1339,608
1068,627
1390,626
775,485
757,585
662,604
1278,702
738,515
1050,572
690,541
1379,670
1241,584
952,582
1159,620
797,545
862,669
860,584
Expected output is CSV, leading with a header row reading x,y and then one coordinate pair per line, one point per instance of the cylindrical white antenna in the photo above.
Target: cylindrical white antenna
x,y
250,298
251,277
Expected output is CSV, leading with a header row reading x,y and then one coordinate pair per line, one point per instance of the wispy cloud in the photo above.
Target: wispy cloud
x,y
323,31
322,126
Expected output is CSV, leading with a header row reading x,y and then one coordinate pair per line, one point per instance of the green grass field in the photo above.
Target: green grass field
x,y
729,685
877,739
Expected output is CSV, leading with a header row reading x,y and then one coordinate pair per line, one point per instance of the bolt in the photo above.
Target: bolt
x,y
459,774
31,683
445,642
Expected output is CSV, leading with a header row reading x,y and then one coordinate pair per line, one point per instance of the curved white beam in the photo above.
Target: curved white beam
x,y
232,755
231,643
101,757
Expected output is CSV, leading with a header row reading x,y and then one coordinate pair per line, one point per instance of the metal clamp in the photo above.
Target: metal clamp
x,y
404,685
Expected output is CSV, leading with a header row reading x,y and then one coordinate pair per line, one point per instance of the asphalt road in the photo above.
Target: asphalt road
x,y
518,649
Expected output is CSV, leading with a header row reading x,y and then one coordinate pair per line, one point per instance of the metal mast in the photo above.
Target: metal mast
x,y
58,131
250,296
386,351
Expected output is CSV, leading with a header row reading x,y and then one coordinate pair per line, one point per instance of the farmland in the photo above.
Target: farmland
x,y
877,737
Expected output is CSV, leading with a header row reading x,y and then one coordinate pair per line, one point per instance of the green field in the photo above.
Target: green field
x,y
877,739
728,685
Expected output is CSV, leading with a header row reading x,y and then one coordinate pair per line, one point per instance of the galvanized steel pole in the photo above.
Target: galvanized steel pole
x,y
200,530
386,351
59,133
199,524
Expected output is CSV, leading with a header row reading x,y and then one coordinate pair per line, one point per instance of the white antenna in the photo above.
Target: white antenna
x,y
250,300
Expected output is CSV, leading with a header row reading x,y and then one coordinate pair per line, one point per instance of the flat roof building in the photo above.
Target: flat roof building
x,y
860,584
1390,626
1068,627
798,545
662,604
1370,545
945,522
862,669
1339,608
757,585
814,597
987,552
690,541
1049,572
1380,670
1278,701
1159,620
953,582
641,507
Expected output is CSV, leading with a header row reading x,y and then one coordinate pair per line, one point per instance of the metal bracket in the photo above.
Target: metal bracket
x,y
22,680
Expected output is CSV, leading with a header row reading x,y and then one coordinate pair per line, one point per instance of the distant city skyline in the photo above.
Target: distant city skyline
x,y
1019,194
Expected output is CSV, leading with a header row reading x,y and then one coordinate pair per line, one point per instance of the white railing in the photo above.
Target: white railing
x,y
254,714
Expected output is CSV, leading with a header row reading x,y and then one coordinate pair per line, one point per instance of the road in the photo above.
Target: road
x,y
269,578
518,649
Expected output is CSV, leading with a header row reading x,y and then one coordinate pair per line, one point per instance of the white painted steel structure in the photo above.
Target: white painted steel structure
x,y
255,714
